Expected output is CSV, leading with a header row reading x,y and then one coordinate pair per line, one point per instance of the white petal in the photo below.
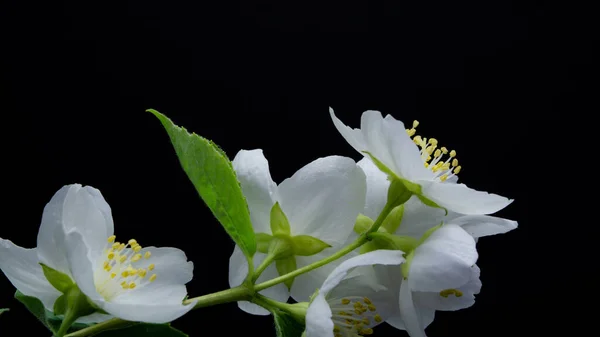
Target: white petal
x,y
427,316
378,140
354,137
21,267
103,207
171,265
81,266
94,318
238,270
405,153
377,188
443,261
434,300
252,170
386,257
85,211
238,267
413,319
318,318
157,313
418,218
51,248
462,199
323,198
172,270
364,284
305,284
484,225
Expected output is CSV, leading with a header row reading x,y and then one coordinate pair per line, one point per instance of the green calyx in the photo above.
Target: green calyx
x,y
401,189
73,305
282,247
62,282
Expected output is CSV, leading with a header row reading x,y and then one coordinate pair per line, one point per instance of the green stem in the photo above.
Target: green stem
x,y
359,242
236,294
379,221
266,302
266,262
113,323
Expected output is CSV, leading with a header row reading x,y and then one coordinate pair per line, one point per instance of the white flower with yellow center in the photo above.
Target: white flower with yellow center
x,y
416,218
350,304
439,274
425,168
76,241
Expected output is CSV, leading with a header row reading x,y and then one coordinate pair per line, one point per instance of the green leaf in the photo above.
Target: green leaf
x,y
58,280
285,266
212,174
51,321
3,310
286,325
279,221
306,245
144,330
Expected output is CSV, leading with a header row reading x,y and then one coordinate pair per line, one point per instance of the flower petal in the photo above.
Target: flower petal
x,y
21,267
377,139
377,188
443,261
252,170
238,270
172,270
156,313
418,218
85,211
318,318
306,284
354,137
385,257
434,300
462,199
412,319
81,265
405,154
365,285
171,265
484,225
324,198
51,236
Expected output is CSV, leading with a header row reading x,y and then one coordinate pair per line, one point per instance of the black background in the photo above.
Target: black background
x,y
498,81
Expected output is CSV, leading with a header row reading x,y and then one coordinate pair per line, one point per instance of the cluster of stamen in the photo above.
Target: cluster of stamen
x,y
119,268
354,316
448,292
433,157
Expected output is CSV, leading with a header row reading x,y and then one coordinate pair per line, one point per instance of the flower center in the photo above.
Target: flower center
x,y
119,272
353,316
433,157
448,292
